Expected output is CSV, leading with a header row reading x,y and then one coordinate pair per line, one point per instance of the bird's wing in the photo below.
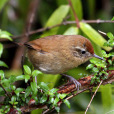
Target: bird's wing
x,y
32,46
46,44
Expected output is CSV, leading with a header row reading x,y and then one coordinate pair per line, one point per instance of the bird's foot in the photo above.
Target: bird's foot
x,y
71,79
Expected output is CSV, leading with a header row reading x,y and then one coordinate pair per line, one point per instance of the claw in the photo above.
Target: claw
x,y
71,79
77,84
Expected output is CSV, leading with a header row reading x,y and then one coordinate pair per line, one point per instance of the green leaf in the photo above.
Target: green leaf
x,y
43,86
27,77
78,9
90,66
57,109
7,109
1,74
2,92
5,82
2,3
93,35
51,99
21,77
104,53
34,87
112,18
36,73
110,35
15,104
13,99
11,102
94,60
71,31
56,101
95,69
1,49
18,90
97,49
28,91
27,69
3,64
12,79
13,87
6,35
58,15
110,61
54,90
56,18
62,95
67,103
43,99
106,97
92,80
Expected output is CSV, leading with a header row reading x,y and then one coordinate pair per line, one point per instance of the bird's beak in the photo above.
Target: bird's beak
x,y
96,56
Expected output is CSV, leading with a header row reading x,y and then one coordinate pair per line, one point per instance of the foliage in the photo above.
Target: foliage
x,y
50,15
6,35
16,97
100,68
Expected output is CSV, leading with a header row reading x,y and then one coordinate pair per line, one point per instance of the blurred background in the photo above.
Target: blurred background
x,y
28,16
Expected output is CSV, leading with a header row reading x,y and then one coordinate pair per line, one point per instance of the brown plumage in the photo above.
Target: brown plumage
x,y
59,53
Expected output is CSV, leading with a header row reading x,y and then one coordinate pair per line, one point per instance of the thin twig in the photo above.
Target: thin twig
x,y
63,23
5,91
102,32
93,96
81,91
48,110
75,15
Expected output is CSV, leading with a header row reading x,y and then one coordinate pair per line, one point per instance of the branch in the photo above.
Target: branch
x,y
85,83
5,91
93,96
63,23
69,88
75,15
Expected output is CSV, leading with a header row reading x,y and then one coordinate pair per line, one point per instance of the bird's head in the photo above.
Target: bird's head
x,y
84,50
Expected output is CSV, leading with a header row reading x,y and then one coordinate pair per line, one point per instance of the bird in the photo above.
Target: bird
x,y
57,54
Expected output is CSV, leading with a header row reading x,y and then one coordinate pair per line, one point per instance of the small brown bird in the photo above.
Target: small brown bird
x,y
60,53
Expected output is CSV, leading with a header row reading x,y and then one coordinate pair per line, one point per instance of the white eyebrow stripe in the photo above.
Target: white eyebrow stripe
x,y
79,48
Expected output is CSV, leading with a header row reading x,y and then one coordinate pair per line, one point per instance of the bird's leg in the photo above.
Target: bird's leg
x,y
71,79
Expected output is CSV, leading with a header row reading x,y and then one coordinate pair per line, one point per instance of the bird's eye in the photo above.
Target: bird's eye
x,y
83,52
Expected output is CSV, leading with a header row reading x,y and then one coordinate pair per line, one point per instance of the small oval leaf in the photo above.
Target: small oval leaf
x,y
67,103
27,69
56,18
1,49
3,64
71,31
